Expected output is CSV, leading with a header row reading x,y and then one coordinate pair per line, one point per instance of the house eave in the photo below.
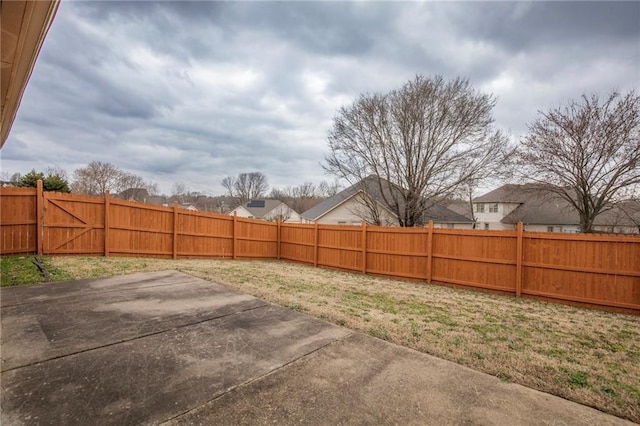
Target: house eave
x,y
360,191
24,27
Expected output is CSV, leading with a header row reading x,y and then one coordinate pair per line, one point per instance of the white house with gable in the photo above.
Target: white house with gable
x,y
352,206
266,209
541,210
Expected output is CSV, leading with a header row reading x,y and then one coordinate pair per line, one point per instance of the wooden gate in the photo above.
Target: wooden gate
x,y
72,224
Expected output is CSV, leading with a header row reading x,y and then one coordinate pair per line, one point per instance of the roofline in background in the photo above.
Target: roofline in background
x,y
332,208
344,201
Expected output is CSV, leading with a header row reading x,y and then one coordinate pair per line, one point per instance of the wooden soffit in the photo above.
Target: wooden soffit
x,y
24,26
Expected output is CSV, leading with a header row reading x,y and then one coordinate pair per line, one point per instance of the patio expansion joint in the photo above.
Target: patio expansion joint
x,y
257,378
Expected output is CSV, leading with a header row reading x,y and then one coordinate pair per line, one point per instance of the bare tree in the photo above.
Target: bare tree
x,y
306,190
422,141
15,178
152,188
129,180
278,194
466,191
179,188
306,196
369,209
9,178
229,183
299,198
57,171
179,192
134,187
251,185
588,152
328,189
97,177
630,211
246,186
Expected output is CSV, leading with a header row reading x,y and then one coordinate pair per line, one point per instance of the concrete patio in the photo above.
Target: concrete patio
x,y
166,347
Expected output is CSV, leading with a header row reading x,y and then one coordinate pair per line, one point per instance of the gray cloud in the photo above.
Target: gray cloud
x,y
194,91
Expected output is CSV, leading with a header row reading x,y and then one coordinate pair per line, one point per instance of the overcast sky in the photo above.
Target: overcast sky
x,y
193,92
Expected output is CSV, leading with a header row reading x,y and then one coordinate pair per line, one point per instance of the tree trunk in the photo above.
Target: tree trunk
x,y
586,223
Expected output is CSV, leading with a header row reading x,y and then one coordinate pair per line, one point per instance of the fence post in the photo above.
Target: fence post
x,y
106,222
315,245
278,237
519,255
364,247
235,223
175,230
430,252
39,218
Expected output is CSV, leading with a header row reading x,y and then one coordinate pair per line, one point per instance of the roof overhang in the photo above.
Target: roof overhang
x,y
24,27
349,198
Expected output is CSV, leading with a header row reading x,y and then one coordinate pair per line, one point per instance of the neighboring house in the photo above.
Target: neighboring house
x,y
268,210
189,207
140,195
541,210
462,207
220,204
624,218
350,207
158,200
347,207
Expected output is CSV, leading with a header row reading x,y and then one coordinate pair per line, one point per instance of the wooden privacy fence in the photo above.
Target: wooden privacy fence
x,y
56,223
600,270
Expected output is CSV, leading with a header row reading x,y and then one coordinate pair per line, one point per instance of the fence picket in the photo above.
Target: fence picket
x,y
39,218
106,222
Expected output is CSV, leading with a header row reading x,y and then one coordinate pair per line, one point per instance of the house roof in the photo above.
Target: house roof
x,y
134,194
556,211
370,185
543,208
258,210
157,200
440,213
539,206
625,213
510,193
319,210
461,207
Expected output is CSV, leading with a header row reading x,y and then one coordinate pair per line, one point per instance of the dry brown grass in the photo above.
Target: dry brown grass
x,y
588,356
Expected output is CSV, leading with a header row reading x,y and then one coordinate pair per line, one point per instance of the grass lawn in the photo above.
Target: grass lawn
x,y
18,270
588,356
